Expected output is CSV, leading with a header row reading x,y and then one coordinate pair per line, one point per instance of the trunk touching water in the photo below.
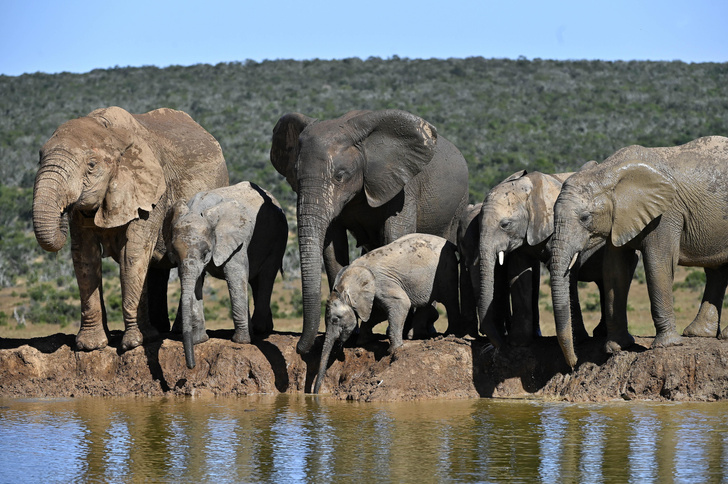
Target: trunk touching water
x,y
51,197
312,225
486,308
332,336
191,290
563,254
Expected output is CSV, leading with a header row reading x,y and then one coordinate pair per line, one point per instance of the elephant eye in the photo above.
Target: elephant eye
x,y
585,217
505,224
340,175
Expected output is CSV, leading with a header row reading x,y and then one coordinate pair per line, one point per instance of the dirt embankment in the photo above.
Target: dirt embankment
x,y
445,367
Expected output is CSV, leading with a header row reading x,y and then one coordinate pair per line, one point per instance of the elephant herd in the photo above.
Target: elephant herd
x,y
152,191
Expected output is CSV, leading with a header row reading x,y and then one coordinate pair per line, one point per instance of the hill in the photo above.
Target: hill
x,y
504,115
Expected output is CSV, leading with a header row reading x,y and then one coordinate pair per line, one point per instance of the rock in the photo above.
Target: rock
x,y
444,367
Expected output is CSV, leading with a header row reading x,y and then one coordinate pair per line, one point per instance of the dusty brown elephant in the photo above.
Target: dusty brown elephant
x,y
377,174
670,204
113,177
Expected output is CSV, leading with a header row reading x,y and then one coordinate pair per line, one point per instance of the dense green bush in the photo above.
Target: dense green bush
x,y
504,115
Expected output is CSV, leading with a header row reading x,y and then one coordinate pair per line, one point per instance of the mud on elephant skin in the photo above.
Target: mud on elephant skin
x,y
668,203
516,224
236,233
385,284
113,177
376,174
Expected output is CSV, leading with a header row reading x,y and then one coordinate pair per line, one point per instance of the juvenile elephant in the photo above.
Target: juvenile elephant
x,y
411,272
115,176
236,233
516,225
379,175
668,203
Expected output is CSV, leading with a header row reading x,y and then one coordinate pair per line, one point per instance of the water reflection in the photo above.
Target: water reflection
x,y
303,439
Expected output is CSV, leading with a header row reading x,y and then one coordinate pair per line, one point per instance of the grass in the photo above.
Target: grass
x,y
286,304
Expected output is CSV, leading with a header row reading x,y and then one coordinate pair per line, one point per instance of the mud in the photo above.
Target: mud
x,y
444,367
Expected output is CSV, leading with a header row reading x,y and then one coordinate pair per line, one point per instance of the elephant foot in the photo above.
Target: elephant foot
x,y
702,328
615,345
394,347
133,337
667,338
241,337
723,334
89,339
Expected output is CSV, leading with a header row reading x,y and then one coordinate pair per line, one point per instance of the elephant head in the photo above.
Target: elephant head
x,y
100,166
517,212
610,203
206,230
370,155
352,297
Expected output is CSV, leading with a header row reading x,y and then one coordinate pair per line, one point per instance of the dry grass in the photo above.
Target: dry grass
x,y
217,306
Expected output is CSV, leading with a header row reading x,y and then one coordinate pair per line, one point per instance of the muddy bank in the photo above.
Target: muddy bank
x,y
445,367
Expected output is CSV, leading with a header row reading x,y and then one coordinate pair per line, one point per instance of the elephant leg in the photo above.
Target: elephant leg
x,y
601,329
86,254
660,265
577,318
397,306
336,251
236,275
157,282
520,280
616,279
134,261
707,321
262,285
423,321
403,221
468,304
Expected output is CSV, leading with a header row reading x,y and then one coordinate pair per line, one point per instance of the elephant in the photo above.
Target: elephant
x,y
112,178
236,233
412,272
667,202
516,225
377,174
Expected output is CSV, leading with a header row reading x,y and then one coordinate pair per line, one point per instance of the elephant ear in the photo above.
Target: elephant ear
x,y
284,148
396,145
516,176
359,290
232,229
540,208
138,185
641,194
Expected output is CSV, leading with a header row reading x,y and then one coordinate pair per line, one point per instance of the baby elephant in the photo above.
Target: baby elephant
x,y
237,233
384,284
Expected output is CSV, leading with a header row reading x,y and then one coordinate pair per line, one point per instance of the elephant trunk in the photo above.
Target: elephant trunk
x,y
189,277
332,336
561,262
486,307
54,190
312,225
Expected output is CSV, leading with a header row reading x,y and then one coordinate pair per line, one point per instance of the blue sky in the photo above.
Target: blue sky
x,y
78,36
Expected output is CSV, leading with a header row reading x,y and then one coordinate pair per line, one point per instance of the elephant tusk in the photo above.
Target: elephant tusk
x,y
501,258
573,261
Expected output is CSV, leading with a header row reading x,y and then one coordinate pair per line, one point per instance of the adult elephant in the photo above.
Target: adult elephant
x,y
668,203
378,174
114,176
516,224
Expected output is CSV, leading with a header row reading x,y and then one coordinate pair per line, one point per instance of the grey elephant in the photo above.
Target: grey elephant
x,y
377,174
113,177
516,228
412,272
236,233
668,203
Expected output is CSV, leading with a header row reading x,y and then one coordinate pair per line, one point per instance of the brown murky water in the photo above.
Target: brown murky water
x,y
295,438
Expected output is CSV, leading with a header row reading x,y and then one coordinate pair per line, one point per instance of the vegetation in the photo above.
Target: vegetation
x,y
504,115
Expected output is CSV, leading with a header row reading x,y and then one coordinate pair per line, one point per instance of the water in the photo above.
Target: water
x,y
296,438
